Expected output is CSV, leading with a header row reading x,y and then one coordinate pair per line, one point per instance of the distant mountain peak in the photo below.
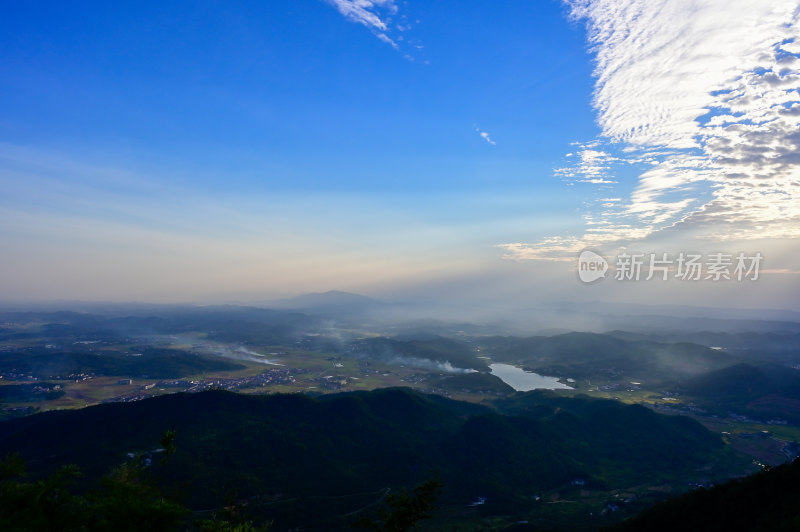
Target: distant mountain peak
x,y
331,298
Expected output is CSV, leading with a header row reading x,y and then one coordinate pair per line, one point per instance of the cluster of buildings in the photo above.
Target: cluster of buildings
x,y
265,378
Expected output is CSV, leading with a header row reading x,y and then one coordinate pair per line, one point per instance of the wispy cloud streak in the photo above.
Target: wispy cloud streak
x,y
485,136
366,12
382,18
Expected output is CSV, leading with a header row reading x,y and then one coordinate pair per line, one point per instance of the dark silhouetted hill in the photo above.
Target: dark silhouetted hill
x,y
764,502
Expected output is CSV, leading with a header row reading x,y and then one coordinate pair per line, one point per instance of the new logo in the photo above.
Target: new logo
x,y
591,266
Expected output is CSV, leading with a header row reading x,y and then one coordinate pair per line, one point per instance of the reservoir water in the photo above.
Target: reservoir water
x,y
523,381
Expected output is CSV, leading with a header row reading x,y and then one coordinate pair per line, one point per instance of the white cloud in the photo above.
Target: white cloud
x,y
592,165
385,38
707,94
379,16
366,12
553,248
485,136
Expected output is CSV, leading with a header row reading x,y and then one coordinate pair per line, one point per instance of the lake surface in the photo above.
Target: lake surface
x,y
523,381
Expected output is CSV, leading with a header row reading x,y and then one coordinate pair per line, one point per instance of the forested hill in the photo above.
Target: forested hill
x,y
765,502
291,454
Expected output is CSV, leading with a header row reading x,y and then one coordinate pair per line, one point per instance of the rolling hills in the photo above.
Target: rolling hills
x,y
313,461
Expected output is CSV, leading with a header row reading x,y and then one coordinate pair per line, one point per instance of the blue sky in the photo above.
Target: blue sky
x,y
290,95
206,151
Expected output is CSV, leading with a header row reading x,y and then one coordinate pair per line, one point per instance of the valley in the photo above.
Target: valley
x,y
627,421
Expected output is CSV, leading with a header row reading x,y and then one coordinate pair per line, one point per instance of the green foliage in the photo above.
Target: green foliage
x,y
762,391
47,504
403,511
231,518
13,466
127,499
475,382
168,444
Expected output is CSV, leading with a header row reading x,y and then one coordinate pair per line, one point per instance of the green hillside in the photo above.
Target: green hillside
x,y
152,362
477,382
587,355
765,502
761,391
312,462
